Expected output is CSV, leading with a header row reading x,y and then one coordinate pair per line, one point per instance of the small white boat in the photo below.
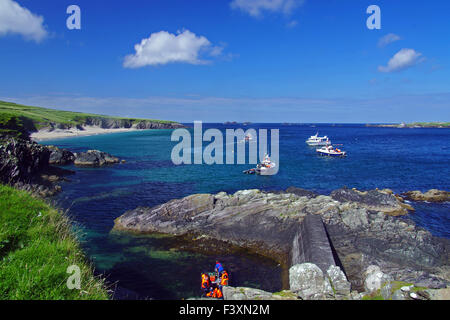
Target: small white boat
x,y
266,167
331,151
315,140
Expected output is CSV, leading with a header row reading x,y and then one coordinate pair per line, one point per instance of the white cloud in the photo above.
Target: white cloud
x,y
164,47
403,59
256,7
19,20
389,38
292,24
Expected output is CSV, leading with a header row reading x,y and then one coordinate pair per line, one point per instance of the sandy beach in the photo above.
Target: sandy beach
x,y
74,132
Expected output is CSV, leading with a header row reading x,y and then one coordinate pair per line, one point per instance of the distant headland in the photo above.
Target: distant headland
x,y
43,123
413,125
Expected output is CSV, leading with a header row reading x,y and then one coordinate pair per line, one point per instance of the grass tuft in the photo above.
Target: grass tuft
x,y
37,245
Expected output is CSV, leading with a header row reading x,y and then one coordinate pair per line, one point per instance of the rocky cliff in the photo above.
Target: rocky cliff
x,y
113,123
25,165
30,166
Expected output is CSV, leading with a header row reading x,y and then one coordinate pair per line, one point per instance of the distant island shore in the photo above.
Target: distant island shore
x,y
413,125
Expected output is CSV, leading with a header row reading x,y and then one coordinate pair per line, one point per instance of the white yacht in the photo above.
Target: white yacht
x,y
315,140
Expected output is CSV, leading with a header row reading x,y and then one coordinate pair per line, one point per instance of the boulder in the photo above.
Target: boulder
x,y
307,281
94,158
60,156
340,285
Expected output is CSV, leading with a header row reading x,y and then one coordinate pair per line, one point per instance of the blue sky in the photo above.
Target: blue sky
x,y
243,60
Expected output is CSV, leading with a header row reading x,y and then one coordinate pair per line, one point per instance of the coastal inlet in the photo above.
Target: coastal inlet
x,y
410,159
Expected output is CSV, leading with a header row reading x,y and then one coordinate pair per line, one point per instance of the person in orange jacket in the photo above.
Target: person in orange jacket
x,y
206,284
217,293
224,278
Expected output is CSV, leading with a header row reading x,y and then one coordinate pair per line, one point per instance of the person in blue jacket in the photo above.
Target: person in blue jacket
x,y
218,268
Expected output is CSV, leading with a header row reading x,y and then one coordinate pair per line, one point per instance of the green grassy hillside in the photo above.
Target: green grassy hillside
x,y
37,245
42,117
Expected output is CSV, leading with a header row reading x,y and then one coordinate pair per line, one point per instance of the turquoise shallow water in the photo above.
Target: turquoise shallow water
x,y
400,159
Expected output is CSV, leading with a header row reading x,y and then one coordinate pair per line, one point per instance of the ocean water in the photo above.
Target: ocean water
x,y
155,267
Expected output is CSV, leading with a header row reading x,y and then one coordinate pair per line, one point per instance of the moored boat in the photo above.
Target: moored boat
x,y
331,151
315,140
266,167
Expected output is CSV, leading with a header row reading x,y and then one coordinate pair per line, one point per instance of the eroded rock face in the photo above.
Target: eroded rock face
x,y
24,164
21,160
113,123
432,195
94,158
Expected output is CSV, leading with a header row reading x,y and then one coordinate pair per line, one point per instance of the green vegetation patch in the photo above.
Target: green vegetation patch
x,y
42,117
15,126
286,294
429,124
37,245
396,285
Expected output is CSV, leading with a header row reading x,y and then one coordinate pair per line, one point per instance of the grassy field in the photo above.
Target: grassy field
x,y
41,117
37,245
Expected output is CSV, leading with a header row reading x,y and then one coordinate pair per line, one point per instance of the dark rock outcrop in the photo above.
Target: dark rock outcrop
x,y
94,158
432,195
25,165
90,158
21,160
301,192
60,156
373,200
